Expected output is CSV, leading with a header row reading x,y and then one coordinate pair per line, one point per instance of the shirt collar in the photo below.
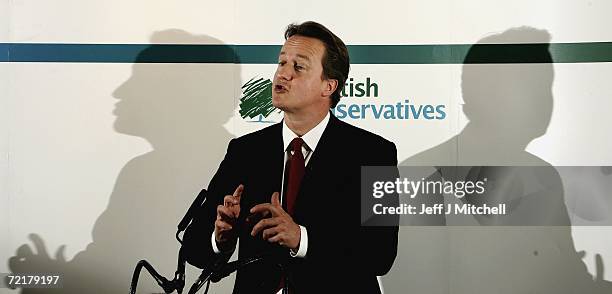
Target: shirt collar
x,y
311,138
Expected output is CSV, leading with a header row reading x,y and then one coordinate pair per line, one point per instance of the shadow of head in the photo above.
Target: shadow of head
x,y
513,100
169,94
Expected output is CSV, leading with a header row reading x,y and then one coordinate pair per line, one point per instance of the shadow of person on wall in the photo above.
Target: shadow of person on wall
x,y
531,250
179,108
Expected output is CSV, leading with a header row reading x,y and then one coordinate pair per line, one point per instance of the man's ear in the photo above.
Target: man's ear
x,y
329,87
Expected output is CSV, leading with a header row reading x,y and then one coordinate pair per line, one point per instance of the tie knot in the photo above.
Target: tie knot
x,y
296,144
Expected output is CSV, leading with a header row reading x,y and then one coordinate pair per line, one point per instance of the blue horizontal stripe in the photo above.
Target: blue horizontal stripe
x,y
4,52
267,54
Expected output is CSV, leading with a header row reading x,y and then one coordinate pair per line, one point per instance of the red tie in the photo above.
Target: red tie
x,y
295,167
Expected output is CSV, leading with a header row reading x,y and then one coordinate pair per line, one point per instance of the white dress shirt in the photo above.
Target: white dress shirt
x,y
311,140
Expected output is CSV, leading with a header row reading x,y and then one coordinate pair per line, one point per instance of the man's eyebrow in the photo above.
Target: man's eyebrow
x,y
302,56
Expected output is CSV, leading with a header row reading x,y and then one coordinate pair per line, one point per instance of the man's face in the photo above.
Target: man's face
x,y
298,84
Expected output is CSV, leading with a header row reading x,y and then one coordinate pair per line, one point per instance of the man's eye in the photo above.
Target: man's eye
x,y
298,67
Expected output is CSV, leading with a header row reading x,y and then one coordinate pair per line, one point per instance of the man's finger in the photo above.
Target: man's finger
x,y
278,238
234,199
261,208
270,232
225,213
264,224
223,226
238,191
230,200
275,200
255,217
264,208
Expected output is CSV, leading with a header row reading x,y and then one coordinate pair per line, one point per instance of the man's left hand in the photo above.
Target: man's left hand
x,y
279,227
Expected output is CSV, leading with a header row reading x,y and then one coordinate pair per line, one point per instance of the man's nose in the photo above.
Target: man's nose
x,y
284,73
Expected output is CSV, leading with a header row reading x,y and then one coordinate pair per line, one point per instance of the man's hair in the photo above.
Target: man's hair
x,y
335,58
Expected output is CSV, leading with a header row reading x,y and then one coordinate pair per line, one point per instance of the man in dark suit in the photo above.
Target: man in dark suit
x,y
313,160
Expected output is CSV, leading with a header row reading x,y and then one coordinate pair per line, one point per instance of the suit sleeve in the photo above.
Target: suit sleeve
x,y
366,250
377,241
197,245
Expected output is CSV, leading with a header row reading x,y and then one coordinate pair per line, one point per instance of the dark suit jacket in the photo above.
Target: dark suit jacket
x,y
342,255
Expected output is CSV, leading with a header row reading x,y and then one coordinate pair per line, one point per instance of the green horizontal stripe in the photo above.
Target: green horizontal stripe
x,y
267,54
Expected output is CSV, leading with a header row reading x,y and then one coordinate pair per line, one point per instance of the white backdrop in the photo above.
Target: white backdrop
x,y
63,156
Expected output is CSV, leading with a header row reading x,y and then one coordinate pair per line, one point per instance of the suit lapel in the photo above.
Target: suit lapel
x,y
277,157
321,157
266,164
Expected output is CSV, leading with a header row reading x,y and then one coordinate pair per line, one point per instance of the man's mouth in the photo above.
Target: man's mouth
x,y
280,89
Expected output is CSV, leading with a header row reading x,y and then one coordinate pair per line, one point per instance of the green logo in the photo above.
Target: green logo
x,y
256,101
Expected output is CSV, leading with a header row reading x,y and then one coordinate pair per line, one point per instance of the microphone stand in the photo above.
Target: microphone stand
x,y
215,271
169,286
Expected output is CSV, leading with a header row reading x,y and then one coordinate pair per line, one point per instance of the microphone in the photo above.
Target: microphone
x,y
195,205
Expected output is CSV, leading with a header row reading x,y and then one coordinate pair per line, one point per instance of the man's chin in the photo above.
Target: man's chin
x,y
276,103
280,107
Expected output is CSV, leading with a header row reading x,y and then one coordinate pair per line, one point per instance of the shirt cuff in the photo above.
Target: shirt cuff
x,y
215,248
214,244
303,248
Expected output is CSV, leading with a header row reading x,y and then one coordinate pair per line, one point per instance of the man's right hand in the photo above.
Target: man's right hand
x,y
227,215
